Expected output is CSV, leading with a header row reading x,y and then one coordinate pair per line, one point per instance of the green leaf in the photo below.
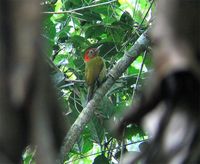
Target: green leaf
x,y
89,16
28,156
104,10
71,4
74,105
59,18
133,130
87,145
95,31
97,133
101,159
48,28
148,62
78,41
144,4
127,19
108,49
48,7
138,17
49,33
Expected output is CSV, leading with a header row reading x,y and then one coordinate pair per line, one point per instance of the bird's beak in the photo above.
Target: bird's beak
x,y
98,48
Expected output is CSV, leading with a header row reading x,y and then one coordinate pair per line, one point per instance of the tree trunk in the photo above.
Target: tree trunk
x,y
29,112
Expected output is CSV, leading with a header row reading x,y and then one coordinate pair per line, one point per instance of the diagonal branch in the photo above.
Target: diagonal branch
x,y
84,117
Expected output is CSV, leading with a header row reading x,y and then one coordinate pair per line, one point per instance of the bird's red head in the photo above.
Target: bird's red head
x,y
91,53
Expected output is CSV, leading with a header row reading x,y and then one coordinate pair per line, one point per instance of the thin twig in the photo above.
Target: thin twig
x,y
86,156
146,14
78,9
122,148
138,77
74,81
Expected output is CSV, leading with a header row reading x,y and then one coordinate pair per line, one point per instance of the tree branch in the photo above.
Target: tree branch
x,y
84,117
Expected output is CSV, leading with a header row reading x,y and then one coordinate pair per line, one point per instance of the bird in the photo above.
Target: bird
x,y
95,70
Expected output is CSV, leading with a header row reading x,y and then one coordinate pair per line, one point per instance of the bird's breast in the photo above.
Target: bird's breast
x,y
93,69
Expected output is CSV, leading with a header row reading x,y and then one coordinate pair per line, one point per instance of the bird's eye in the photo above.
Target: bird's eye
x,y
91,52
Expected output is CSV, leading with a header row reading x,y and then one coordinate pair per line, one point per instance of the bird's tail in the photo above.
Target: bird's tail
x,y
90,92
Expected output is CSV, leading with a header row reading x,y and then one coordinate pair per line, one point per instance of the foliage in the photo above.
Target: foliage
x,y
116,25
28,156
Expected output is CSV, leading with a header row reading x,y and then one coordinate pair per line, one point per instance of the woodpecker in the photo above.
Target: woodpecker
x,y
95,70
